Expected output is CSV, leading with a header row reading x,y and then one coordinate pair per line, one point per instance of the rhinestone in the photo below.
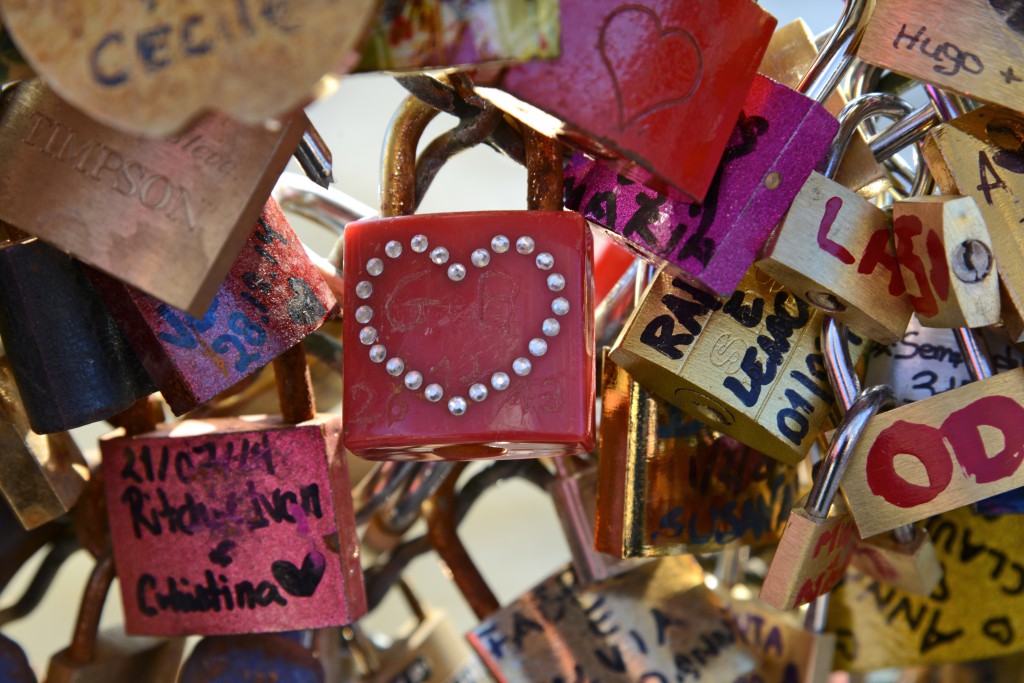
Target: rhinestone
x,y
439,255
395,366
433,393
560,306
524,245
545,261
550,327
363,314
413,380
418,243
364,289
457,406
393,248
478,392
480,258
499,381
556,282
499,244
378,353
522,366
456,272
375,267
538,347
368,335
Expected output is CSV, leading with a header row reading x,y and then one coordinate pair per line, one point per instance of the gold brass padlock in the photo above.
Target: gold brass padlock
x,y
750,367
904,560
41,476
945,255
978,155
668,484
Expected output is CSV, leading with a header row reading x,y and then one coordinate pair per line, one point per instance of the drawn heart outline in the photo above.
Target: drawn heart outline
x,y
300,582
664,39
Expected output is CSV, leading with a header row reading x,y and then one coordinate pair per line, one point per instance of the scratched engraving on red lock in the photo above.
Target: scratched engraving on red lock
x,y
469,335
272,298
779,138
232,532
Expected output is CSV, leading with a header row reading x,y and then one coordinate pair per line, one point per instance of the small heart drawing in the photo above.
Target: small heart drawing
x,y
302,582
221,555
304,308
632,42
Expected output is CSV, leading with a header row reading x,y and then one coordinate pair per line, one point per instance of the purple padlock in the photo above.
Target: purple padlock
x,y
780,137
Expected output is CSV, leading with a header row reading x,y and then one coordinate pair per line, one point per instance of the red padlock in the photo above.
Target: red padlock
x,y
468,335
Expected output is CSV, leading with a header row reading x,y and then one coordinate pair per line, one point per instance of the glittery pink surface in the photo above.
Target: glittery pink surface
x,y
272,298
713,244
233,526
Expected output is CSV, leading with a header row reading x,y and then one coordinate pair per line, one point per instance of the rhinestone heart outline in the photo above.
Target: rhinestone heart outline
x,y
481,258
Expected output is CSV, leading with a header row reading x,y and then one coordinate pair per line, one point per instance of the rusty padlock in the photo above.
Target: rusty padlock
x,y
252,657
92,373
676,626
667,484
468,335
272,298
834,248
101,658
605,93
236,525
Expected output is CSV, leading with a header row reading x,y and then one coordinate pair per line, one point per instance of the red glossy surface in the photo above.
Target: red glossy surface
x,y
611,261
459,333
272,298
236,523
653,87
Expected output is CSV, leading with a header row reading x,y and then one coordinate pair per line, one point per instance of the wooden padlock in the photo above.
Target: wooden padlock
x,y
668,484
750,367
101,658
92,372
251,657
236,525
969,47
468,335
99,194
41,476
819,538
834,248
946,257
978,154
272,298
605,94
657,619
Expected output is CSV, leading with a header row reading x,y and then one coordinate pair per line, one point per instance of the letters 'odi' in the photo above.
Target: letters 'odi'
x,y
131,206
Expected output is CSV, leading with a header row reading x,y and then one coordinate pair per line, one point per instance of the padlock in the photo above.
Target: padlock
x,y
978,155
41,476
965,443
607,96
468,335
819,538
272,298
656,621
834,248
750,367
975,612
667,484
574,494
790,55
433,650
945,255
780,137
95,657
967,47
14,666
236,525
449,33
251,657
89,372
131,206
